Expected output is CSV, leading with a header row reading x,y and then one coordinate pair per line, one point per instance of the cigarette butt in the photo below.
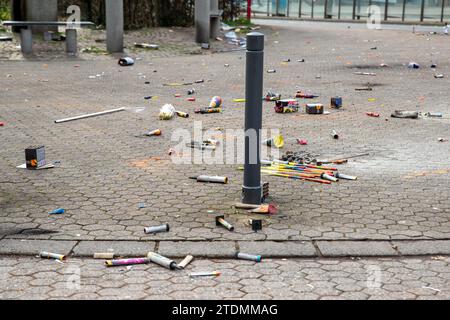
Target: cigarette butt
x,y
104,255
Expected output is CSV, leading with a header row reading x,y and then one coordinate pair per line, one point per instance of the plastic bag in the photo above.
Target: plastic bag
x,y
166,112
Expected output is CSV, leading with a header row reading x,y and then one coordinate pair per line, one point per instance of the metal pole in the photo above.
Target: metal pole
x,y
312,9
386,6
300,9
202,21
403,10
114,25
287,10
339,10
249,10
325,9
268,7
251,190
442,10
422,10
354,8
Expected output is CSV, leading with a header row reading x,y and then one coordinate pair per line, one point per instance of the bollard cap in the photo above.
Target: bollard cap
x,y
255,41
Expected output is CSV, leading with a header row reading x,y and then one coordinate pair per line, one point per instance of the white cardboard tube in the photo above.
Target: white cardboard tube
x,y
89,115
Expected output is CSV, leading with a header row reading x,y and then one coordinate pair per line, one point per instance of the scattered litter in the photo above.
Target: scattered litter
x,y
182,114
271,96
177,95
336,102
216,102
192,99
271,71
302,142
57,211
208,110
364,73
373,114
213,179
90,115
205,46
371,100
439,76
345,177
239,100
104,255
287,60
183,264
226,65
201,146
413,65
433,115
47,166
286,106
146,46
48,255
162,261
148,97
431,288
162,228
205,274
277,141
141,205
125,62
126,262
156,132
363,89
166,112
405,114
301,60
314,108
2,124
171,152
303,95
442,140
254,208
6,38
334,134
35,157
246,256
191,92
220,221
255,224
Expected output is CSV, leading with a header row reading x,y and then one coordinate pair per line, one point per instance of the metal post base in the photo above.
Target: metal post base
x,y
26,41
71,41
251,195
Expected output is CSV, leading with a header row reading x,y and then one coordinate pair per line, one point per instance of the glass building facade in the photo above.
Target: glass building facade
x,y
385,10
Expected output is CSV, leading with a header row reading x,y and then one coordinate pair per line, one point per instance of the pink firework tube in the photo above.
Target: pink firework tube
x,y
126,262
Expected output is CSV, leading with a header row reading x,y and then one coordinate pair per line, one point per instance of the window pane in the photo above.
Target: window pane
x,y
412,12
319,9
259,6
432,10
293,8
346,9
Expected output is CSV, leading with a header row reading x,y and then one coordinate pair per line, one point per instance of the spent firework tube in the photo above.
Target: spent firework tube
x,y
156,132
208,110
216,102
127,61
49,255
345,177
191,92
328,177
212,179
162,261
156,229
126,262
220,221
251,257
183,264
334,134
182,114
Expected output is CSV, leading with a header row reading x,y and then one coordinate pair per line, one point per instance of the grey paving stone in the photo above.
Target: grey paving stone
x,y
278,249
355,248
120,248
33,247
422,247
216,249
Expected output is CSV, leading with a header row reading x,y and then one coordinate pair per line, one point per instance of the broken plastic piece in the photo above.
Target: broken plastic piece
x,y
57,211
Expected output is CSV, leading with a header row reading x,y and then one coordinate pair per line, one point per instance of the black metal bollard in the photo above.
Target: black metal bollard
x,y
251,190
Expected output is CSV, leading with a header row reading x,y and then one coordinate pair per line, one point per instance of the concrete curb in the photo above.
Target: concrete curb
x,y
227,249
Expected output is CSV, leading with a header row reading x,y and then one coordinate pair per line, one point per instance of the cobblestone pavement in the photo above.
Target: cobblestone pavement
x,y
105,172
418,278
